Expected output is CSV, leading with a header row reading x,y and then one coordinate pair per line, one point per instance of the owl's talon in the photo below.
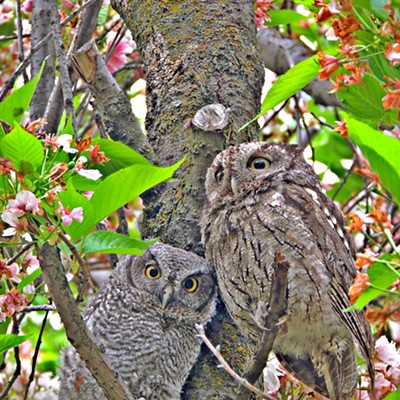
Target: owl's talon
x,y
282,320
261,315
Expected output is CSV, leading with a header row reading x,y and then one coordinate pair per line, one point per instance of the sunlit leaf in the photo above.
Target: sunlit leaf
x,y
10,341
13,108
364,101
23,149
127,184
112,193
29,279
281,17
114,243
72,199
381,276
382,152
289,84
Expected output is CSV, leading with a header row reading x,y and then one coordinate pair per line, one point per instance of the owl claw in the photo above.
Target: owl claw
x,y
261,315
282,320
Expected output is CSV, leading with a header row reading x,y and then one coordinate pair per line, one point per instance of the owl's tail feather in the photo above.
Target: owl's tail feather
x,y
336,377
303,369
340,375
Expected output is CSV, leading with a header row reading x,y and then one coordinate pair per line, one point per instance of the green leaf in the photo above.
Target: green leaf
x,y
382,152
364,101
10,341
23,149
114,243
13,107
127,184
281,17
288,84
103,14
394,395
29,279
72,199
120,155
84,184
114,192
380,66
381,276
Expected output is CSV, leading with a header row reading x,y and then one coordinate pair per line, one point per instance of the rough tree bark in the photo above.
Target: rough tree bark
x,y
196,53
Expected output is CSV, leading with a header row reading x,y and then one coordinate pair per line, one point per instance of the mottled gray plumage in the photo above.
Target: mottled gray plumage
x,y
144,319
265,202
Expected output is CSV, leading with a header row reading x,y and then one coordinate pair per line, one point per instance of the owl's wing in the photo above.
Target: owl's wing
x,y
322,219
307,224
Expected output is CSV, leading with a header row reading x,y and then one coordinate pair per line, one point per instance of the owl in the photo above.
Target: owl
x,y
264,202
143,319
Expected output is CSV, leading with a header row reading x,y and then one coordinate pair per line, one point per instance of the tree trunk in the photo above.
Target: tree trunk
x,y
196,53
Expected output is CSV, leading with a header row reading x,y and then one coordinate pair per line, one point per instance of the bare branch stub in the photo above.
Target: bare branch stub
x,y
277,305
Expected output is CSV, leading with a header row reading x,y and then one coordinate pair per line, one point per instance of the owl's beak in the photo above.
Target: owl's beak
x,y
166,296
234,185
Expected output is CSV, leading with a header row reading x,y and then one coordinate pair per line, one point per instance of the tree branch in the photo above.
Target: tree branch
x,y
112,102
280,54
277,305
77,332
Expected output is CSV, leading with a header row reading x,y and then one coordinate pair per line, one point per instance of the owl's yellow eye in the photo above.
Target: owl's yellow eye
x,y
191,285
219,175
152,272
259,163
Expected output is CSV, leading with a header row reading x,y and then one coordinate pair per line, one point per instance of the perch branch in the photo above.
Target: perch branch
x,y
223,364
77,332
112,102
277,305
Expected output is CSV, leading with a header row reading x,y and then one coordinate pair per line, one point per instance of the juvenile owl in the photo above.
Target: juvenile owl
x,y
264,202
144,320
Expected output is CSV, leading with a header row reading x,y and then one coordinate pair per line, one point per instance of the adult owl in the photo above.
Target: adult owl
x,y
264,202
144,320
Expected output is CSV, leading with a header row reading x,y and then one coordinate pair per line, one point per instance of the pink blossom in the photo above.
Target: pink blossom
x,y
16,224
12,302
30,261
392,53
10,271
24,201
65,142
6,11
26,6
67,4
88,195
67,216
92,174
386,352
118,57
382,386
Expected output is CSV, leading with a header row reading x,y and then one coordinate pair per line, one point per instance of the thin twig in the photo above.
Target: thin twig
x,y
226,366
85,276
41,307
344,180
24,64
21,251
62,65
13,37
275,113
17,371
20,42
35,355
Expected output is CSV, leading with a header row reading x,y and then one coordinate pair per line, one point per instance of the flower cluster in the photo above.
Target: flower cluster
x,y
353,60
